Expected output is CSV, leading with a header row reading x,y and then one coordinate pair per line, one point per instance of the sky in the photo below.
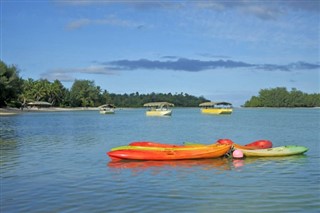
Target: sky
x,y
221,50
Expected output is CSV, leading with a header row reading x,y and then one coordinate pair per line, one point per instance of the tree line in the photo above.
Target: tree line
x,y
17,92
281,97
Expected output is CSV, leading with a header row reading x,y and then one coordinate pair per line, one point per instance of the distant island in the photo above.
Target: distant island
x,y
18,93
280,97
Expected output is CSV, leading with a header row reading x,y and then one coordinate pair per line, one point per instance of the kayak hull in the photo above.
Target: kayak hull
x,y
275,152
172,153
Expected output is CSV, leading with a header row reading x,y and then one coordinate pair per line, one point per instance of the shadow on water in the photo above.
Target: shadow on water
x,y
285,159
9,154
204,164
9,145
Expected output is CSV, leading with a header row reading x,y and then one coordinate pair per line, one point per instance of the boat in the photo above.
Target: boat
x,y
259,144
216,108
159,108
262,144
39,104
107,109
168,147
172,153
280,151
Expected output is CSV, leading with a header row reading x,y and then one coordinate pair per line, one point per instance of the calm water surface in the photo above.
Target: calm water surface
x,y
56,162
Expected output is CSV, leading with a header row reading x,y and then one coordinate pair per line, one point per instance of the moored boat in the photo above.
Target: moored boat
x,y
171,153
216,108
107,109
159,108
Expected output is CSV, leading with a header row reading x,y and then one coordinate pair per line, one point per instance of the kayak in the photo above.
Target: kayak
x,y
254,145
153,144
275,152
165,147
171,153
262,144
259,144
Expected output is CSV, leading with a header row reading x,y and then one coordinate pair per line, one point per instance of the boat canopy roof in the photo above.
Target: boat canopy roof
x,y
39,103
158,104
107,106
207,104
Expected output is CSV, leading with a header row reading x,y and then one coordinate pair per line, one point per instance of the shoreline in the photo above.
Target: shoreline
x,y
9,111
15,111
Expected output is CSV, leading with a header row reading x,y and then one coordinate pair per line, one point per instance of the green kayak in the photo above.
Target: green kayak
x,y
275,152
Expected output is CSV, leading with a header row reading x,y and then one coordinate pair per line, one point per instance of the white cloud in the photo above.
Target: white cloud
x,y
66,74
262,12
108,21
78,24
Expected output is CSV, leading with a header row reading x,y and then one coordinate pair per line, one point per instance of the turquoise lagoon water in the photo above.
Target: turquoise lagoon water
x,y
57,162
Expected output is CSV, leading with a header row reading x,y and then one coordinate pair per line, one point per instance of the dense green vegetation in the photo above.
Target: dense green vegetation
x,y
137,100
280,97
10,84
17,92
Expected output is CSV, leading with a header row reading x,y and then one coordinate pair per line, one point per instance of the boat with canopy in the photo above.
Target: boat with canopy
x,y
159,108
107,109
216,108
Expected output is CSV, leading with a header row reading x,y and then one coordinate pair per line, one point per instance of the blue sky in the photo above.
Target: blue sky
x,y
222,50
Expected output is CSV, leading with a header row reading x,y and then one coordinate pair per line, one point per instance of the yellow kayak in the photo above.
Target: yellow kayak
x,y
164,148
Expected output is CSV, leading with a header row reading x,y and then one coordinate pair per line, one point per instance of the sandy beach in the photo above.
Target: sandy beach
x,y
15,111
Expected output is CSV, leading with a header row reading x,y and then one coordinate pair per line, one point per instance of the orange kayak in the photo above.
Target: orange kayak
x,y
171,153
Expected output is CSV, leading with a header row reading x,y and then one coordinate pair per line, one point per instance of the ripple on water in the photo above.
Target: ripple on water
x,y
56,162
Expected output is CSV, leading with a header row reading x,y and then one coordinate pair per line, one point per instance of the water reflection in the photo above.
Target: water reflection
x,y
205,164
284,159
8,128
8,143
46,155
9,154
238,163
